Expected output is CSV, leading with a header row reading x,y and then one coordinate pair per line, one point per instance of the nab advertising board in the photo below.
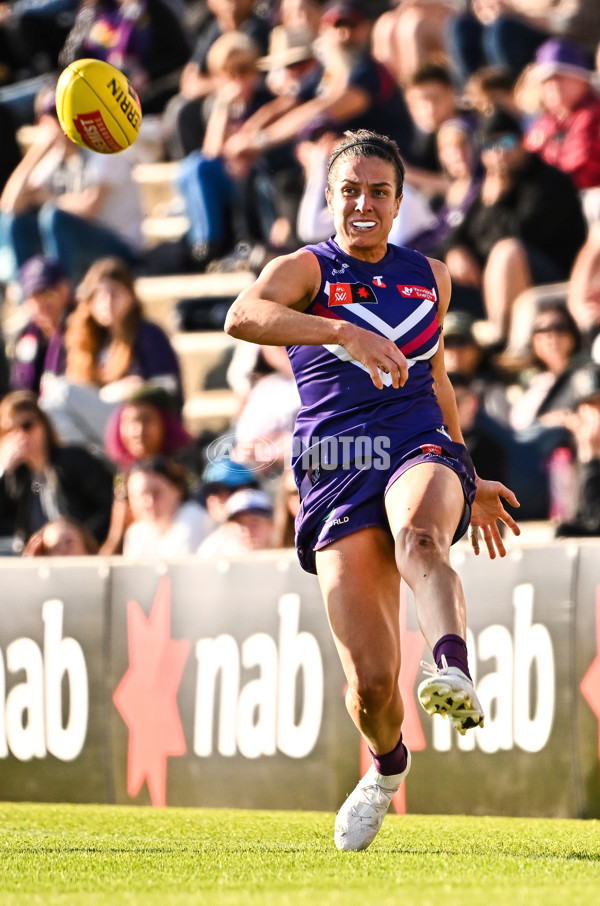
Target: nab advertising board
x,y
201,684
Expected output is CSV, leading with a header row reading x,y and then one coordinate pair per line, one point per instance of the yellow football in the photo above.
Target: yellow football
x,y
98,107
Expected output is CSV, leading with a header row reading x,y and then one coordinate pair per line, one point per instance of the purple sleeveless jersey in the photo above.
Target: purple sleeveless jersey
x,y
352,440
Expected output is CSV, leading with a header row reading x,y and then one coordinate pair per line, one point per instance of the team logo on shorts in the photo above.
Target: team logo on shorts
x,y
351,294
416,292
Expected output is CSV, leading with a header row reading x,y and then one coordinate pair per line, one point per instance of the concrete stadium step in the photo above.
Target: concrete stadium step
x,y
158,295
164,229
199,352
210,410
157,186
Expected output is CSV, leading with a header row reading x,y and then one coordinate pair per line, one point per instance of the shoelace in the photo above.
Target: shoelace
x,y
432,670
376,798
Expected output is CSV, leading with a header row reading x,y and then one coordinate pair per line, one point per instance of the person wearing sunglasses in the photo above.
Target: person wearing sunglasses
x,y
523,229
40,480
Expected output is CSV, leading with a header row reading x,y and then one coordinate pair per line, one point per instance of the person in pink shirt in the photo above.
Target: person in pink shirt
x,y
567,132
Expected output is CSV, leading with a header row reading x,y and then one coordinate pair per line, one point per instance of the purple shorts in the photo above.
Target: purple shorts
x,y
340,501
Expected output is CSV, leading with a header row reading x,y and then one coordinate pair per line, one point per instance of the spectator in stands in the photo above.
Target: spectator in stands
x,y
68,202
524,228
220,480
31,36
248,526
585,427
263,428
112,349
63,537
583,298
145,425
10,152
482,438
146,40
410,35
287,504
183,116
32,33
432,99
4,369
496,33
459,157
567,133
354,88
39,348
166,522
555,353
466,358
491,87
222,196
41,480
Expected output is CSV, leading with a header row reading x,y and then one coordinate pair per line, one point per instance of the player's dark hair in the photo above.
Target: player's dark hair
x,y
364,143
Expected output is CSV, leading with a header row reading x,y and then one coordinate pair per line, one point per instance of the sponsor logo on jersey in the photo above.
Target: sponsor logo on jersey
x,y
431,448
351,293
416,292
378,281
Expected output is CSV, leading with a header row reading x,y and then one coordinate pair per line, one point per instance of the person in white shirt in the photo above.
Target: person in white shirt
x,y
166,523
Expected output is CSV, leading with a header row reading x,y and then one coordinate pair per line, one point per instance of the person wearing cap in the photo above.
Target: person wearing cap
x,y
39,348
385,480
248,526
567,132
524,228
220,480
585,427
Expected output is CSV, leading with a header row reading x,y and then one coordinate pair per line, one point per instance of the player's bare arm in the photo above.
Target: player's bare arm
x,y
272,312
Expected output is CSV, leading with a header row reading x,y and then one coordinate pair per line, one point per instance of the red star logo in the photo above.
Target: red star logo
x,y
413,646
590,684
146,697
363,292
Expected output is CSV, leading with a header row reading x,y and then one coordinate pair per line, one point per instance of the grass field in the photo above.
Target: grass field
x,y
101,855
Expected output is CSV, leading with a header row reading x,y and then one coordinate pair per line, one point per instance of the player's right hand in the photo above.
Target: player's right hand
x,y
377,354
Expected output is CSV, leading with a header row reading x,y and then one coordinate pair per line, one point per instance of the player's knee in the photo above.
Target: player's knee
x,y
373,690
416,545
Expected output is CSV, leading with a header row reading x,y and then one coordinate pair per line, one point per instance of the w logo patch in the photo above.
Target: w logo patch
x,y
351,294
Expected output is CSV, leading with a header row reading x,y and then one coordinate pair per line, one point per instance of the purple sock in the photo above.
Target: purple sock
x,y
393,762
455,651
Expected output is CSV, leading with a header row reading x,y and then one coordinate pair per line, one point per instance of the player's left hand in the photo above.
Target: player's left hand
x,y
487,509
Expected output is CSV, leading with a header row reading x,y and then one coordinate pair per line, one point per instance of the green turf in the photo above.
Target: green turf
x,y
77,855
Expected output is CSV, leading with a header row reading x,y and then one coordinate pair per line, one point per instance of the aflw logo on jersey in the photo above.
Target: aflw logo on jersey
x,y
351,293
416,292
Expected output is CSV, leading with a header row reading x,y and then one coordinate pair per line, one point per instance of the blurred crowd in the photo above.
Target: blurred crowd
x,y
495,105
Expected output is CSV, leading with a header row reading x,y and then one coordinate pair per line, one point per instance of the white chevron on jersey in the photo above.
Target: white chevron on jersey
x,y
344,356
392,333
367,314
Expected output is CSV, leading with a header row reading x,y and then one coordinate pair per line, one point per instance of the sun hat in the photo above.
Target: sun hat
x,y
287,46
